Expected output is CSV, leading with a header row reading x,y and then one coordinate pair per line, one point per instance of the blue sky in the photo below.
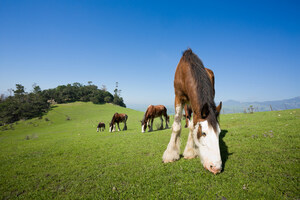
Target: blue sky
x,y
253,47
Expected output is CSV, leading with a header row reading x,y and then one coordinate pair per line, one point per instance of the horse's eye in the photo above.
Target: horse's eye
x,y
204,134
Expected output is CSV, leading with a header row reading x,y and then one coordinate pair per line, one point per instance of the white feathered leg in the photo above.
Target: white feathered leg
x,y
172,152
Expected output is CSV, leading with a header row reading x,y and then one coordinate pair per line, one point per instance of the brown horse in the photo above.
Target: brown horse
x,y
117,118
188,108
101,126
193,86
153,112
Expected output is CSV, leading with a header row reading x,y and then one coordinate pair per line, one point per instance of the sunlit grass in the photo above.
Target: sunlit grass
x,y
68,159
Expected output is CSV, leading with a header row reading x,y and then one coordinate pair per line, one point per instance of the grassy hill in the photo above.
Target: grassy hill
x,y
62,156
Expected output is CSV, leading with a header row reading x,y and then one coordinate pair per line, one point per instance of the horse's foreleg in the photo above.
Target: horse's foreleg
x,y
151,126
118,127
172,152
114,127
161,124
191,150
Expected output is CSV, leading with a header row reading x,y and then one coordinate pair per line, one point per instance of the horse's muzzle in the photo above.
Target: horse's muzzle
x,y
213,169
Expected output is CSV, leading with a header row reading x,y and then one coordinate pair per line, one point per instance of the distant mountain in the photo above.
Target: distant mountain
x,y
232,106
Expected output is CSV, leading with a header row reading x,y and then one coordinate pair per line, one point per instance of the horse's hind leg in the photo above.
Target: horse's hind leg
x,y
166,118
125,126
186,116
191,150
172,152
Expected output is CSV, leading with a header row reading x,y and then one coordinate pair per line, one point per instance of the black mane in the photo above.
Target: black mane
x,y
204,87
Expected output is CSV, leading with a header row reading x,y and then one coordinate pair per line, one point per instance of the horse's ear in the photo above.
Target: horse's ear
x,y
218,109
204,111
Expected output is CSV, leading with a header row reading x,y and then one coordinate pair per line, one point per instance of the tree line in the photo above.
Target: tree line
x,y
24,105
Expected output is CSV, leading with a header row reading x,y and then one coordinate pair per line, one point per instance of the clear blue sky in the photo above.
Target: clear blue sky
x,y
253,47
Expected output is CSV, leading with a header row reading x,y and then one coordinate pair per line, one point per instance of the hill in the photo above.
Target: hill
x,y
62,156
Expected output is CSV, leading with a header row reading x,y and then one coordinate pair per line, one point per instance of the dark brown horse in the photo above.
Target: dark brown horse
x,y
117,118
193,86
153,112
101,126
188,108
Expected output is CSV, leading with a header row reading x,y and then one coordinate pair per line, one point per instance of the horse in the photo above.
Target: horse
x,y
101,126
187,108
193,86
117,118
151,113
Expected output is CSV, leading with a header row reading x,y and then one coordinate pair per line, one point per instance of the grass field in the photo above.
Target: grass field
x,y
62,156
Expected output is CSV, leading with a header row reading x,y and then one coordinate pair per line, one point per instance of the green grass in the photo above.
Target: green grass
x,y
58,158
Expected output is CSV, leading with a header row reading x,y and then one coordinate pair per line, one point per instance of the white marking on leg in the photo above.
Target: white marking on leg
x,y
172,152
191,150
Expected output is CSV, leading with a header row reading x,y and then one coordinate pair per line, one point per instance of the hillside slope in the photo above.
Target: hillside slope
x,y
62,156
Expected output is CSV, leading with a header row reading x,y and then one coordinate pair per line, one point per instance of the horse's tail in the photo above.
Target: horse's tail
x,y
166,114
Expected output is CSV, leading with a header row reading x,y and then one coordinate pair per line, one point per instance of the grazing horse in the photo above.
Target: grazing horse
x,y
101,126
188,108
117,118
151,113
193,86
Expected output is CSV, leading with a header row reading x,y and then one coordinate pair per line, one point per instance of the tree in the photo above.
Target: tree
x,y
251,109
36,88
104,88
117,99
108,99
19,89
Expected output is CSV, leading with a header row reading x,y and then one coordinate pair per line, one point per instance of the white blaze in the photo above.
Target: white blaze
x,y
208,145
143,130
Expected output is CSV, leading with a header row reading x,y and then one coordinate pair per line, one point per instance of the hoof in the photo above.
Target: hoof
x,y
168,161
189,157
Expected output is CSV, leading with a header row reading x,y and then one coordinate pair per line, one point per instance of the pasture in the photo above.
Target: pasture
x,y
62,156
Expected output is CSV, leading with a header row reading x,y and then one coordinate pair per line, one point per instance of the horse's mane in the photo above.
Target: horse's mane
x,y
205,92
145,113
113,118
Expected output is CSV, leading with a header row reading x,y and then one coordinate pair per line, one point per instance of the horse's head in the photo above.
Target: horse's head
x,y
111,127
144,125
206,136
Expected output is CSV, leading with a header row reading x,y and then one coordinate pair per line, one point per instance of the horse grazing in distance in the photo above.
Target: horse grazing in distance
x,y
151,113
187,108
101,126
117,118
193,86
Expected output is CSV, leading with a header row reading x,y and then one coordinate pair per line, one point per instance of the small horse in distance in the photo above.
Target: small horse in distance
x,y
187,108
101,126
193,86
117,118
151,113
